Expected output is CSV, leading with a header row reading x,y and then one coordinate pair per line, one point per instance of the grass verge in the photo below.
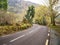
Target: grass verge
x,y
56,28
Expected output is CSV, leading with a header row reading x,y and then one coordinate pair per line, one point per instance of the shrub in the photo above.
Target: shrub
x,y
10,29
40,22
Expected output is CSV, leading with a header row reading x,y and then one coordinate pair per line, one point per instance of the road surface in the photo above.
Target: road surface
x,y
36,35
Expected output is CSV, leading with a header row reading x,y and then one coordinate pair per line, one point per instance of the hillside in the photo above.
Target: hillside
x,y
18,6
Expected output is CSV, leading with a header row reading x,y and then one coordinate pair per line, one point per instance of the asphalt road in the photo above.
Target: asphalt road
x,y
36,35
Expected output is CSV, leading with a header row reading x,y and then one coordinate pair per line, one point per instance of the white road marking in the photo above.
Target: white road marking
x,y
5,36
34,30
48,34
47,42
23,35
49,31
30,32
17,38
4,44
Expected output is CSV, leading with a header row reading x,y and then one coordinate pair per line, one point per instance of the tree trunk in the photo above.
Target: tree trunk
x,y
53,20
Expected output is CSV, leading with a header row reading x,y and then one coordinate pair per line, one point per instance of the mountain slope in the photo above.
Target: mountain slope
x,y
18,6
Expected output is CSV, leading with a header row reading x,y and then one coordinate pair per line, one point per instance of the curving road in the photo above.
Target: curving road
x,y
36,35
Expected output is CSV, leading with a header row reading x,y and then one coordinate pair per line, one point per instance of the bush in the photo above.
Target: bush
x,y
40,22
10,29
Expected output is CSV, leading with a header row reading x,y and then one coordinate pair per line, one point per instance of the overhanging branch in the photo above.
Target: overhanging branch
x,y
57,16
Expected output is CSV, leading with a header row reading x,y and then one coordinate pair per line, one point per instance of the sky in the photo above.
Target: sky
x,y
44,2
41,2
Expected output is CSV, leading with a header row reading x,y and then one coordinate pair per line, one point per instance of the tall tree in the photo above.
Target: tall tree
x,y
3,4
41,14
30,14
53,14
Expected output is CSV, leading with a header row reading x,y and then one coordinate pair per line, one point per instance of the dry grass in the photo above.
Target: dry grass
x,y
4,30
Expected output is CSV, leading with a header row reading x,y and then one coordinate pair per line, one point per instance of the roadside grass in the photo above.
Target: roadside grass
x,y
56,28
7,29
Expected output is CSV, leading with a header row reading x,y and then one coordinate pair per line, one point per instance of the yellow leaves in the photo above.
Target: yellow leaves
x,y
42,10
11,29
48,20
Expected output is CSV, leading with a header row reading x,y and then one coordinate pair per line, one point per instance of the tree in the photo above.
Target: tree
x,y
3,4
9,19
30,14
40,14
53,13
44,20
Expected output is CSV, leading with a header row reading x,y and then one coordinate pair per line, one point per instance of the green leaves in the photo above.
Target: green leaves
x,y
3,4
42,15
53,14
30,14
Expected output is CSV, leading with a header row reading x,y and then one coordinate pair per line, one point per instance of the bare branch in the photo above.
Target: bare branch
x,y
57,15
